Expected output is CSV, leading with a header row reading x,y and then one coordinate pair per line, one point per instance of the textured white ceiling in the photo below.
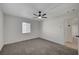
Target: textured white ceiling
x,y
27,9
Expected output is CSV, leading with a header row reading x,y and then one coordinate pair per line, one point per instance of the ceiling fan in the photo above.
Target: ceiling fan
x,y
40,15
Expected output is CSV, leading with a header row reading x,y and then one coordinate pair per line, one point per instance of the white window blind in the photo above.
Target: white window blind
x,y
26,27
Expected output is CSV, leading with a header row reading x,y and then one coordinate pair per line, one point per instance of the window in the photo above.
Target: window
x,y
26,27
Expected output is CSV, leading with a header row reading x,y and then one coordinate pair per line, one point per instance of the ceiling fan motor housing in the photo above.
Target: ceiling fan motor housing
x,y
40,15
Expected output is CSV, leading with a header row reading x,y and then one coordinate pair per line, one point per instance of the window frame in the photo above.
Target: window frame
x,y
26,27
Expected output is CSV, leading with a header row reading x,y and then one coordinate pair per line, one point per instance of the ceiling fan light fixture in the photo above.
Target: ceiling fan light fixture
x,y
39,17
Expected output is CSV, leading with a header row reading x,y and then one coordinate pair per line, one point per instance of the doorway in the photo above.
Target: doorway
x,y
71,33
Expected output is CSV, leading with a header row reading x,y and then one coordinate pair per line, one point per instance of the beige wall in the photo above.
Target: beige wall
x,y
53,30
13,29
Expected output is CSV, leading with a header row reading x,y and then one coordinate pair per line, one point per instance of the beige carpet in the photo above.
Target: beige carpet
x,y
37,46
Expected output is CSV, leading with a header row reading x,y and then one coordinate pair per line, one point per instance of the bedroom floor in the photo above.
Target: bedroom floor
x,y
37,46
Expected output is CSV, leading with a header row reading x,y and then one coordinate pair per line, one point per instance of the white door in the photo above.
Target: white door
x,y
1,29
75,35
71,33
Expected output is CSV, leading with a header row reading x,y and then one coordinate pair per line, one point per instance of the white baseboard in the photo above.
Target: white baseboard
x,y
18,41
52,40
